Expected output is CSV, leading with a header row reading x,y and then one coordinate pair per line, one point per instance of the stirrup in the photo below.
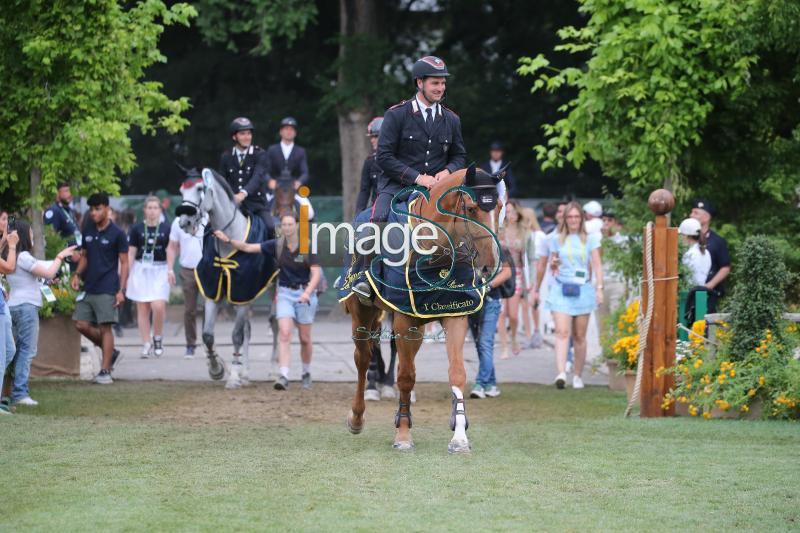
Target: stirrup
x,y
364,293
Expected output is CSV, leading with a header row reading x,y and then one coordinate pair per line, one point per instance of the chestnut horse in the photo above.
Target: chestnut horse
x,y
476,247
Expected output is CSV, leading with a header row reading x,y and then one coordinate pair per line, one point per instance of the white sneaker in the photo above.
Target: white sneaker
x,y
27,400
492,392
577,382
561,380
570,367
146,350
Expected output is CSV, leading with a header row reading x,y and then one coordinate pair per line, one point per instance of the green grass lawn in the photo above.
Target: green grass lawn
x,y
168,456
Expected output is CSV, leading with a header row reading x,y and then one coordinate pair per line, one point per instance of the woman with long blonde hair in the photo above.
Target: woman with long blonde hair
x,y
513,237
150,278
576,263
530,309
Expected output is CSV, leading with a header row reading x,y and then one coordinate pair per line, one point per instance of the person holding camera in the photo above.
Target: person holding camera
x,y
8,262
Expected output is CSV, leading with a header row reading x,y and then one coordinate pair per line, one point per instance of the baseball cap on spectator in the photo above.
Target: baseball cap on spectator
x,y
496,145
690,227
705,205
593,208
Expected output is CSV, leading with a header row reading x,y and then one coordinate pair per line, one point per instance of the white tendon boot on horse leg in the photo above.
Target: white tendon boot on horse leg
x,y
459,424
235,375
241,342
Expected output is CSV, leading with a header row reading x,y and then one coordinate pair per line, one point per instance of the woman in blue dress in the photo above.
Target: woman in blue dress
x,y
577,288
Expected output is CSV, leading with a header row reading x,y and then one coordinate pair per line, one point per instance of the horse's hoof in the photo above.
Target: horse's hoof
x,y
458,446
353,429
403,445
233,385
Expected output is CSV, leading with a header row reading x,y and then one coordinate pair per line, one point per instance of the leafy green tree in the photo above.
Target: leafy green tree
x,y
700,96
72,79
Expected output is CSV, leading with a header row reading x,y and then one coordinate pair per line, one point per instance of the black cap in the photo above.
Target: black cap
x,y
705,205
289,121
496,145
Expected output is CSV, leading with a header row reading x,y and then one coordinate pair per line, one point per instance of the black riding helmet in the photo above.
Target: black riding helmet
x,y
429,66
374,127
241,124
289,121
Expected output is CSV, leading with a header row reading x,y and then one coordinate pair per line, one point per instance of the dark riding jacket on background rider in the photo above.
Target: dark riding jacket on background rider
x,y
368,190
407,149
297,164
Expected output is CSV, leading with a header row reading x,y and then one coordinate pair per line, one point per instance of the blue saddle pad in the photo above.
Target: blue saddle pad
x,y
240,277
417,287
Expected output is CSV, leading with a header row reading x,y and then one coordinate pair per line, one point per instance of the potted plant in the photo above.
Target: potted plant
x,y
59,349
620,343
752,373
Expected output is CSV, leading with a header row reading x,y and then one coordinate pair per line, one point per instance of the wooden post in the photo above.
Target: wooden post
x,y
660,351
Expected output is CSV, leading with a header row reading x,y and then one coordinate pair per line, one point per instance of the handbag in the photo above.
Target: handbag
x,y
509,286
570,290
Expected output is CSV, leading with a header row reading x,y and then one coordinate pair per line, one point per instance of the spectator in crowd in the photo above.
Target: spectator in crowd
x,y
703,211
287,158
24,303
103,267
548,222
496,162
574,257
189,249
594,216
8,262
696,257
297,297
150,278
612,228
165,201
530,309
483,325
61,216
513,237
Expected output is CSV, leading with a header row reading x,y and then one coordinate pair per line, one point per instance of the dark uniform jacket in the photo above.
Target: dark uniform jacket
x,y
369,183
63,221
297,165
250,176
406,149
511,183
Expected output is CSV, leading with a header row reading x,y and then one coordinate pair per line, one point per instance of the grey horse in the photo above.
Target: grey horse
x,y
206,196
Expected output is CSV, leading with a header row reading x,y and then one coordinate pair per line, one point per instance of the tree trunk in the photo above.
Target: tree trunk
x,y
357,18
36,213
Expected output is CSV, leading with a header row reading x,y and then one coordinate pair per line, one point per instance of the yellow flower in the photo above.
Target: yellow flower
x,y
732,373
751,392
745,408
693,410
761,380
706,415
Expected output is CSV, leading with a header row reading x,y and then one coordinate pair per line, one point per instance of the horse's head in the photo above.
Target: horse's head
x,y
476,201
196,200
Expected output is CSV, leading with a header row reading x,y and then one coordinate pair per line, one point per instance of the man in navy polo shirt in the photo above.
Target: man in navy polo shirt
x,y
717,247
103,263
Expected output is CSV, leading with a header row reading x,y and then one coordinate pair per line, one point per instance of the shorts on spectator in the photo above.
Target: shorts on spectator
x,y
289,307
97,309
